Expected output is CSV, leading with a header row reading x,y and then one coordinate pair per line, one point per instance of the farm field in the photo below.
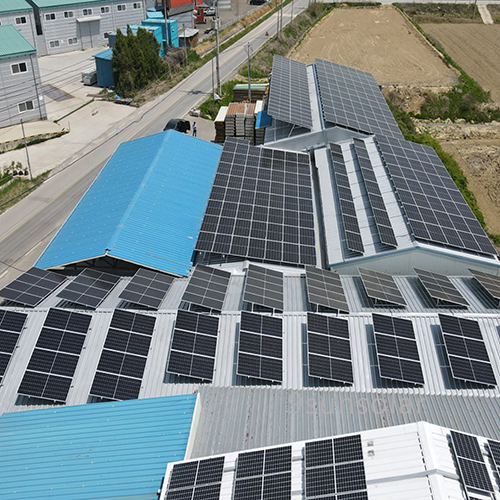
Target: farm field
x,y
378,40
475,48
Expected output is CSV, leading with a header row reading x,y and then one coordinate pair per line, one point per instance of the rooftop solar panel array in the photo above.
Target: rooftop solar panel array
x,y
32,287
346,202
264,474
397,351
381,288
89,288
11,326
466,350
441,289
207,287
147,288
380,215
193,347
123,358
335,467
260,350
329,348
494,448
260,206
324,288
434,206
289,98
471,463
264,287
490,282
53,362
351,98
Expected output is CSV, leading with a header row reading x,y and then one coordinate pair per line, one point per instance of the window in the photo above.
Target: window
x,y
105,35
121,7
68,14
137,5
19,68
54,43
50,17
25,106
104,10
87,12
72,41
20,20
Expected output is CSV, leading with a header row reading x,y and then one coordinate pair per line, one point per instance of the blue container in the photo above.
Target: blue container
x,y
173,33
104,68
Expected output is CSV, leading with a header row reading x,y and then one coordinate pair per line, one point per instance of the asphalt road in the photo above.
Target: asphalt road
x,y
27,228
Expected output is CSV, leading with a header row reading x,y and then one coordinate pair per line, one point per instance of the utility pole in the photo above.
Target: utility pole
x,y
185,47
217,62
278,24
26,148
165,14
213,86
249,51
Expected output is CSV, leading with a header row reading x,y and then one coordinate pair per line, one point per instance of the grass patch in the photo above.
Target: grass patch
x,y
441,12
210,108
18,189
495,12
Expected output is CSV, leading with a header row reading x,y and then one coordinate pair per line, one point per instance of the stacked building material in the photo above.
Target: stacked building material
x,y
240,120
230,120
240,92
250,123
220,128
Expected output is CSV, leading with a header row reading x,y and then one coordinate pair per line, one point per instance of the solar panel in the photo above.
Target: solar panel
x,y
123,358
466,350
289,97
441,289
346,202
397,350
32,287
470,462
381,288
264,474
260,206
147,288
380,215
260,349
335,467
264,287
11,326
200,480
324,288
435,208
328,348
494,447
207,287
352,98
193,347
53,362
490,282
89,288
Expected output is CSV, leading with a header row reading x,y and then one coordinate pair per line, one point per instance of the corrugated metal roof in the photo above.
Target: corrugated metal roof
x,y
105,54
145,207
7,6
45,4
12,43
100,451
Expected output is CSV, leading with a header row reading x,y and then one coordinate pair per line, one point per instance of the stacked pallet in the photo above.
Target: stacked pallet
x,y
240,92
238,120
220,128
230,121
250,123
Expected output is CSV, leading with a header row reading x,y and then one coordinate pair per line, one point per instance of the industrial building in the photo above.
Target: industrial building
x,y
20,94
330,282
19,13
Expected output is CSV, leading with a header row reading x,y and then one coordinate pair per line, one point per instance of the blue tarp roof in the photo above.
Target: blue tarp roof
x,y
116,450
145,207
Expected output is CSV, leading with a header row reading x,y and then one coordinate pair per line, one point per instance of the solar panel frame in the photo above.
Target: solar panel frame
x,y
147,288
441,289
89,288
260,207
207,287
381,288
193,346
261,356
466,350
52,365
435,209
124,355
490,282
348,213
289,97
379,210
32,287
264,287
11,326
328,343
324,288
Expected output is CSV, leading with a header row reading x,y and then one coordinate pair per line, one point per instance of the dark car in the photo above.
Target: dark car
x,y
178,124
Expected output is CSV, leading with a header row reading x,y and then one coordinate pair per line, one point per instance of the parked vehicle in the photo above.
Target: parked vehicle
x,y
178,124
257,2
210,11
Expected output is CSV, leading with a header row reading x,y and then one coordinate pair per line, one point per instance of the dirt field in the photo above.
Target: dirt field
x,y
476,48
378,40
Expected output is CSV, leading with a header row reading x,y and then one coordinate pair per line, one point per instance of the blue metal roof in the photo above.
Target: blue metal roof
x,y
145,207
116,450
105,54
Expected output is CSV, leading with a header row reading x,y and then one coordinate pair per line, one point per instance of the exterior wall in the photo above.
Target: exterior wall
x,y
20,88
88,34
27,29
